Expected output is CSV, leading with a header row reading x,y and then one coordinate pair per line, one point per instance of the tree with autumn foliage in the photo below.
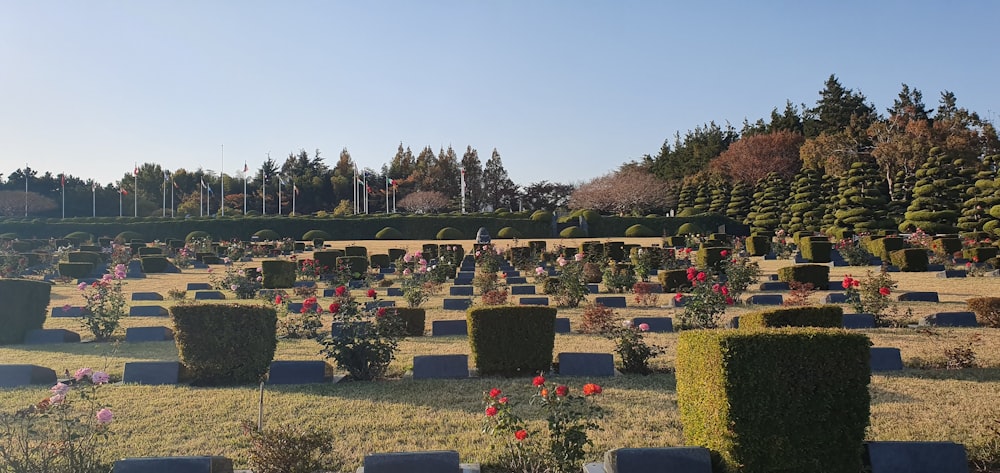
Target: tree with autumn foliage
x,y
753,158
628,191
424,202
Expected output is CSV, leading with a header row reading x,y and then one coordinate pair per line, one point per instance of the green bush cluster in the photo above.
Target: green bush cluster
x,y
327,258
639,230
816,251
673,280
710,257
829,316
127,236
316,234
910,259
573,231
772,400
267,234
816,274
25,302
449,233
509,232
947,246
882,246
222,344
758,245
153,264
79,237
389,233
512,340
278,274
980,254
85,257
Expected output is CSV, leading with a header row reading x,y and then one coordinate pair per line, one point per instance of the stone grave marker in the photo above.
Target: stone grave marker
x,y
72,311
765,299
562,325
12,376
372,305
522,290
147,296
148,334
440,366
174,465
208,295
151,372
593,288
951,319
952,273
926,296
656,324
297,372
517,280
835,298
916,457
460,291
442,461
147,311
654,460
199,286
393,292
457,304
586,364
534,301
859,321
44,336
774,286
885,359
617,302
443,328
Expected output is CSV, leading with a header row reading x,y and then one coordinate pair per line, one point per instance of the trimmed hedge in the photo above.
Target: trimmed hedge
x,y
221,344
772,401
573,231
414,317
79,237
541,216
356,251
85,257
758,245
76,270
711,256
910,259
314,234
278,274
358,265
816,274
512,340
127,236
509,232
688,229
379,261
816,251
829,316
389,233
327,259
153,264
673,280
267,234
947,245
197,234
980,254
883,247
449,233
639,230
24,307
987,310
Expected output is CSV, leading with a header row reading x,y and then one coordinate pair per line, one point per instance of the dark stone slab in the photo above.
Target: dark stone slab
x,y
462,281
151,372
147,296
517,280
198,265
199,286
677,303
733,322
174,465
372,305
835,298
294,307
874,261
658,460
208,295
393,292
562,325
534,301
593,288
770,256
304,284
774,286
148,334
656,324
951,319
330,292
522,289
297,372
73,311
44,336
586,364
935,267
511,274
443,328
840,262
611,301
465,275
147,311
765,299
356,283
442,461
460,290
336,328
440,366
952,273
833,286
799,259
457,304
916,457
772,277
892,269
918,297
885,359
12,376
389,270
857,321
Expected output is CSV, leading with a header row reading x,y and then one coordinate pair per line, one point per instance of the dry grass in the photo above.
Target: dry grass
x,y
403,414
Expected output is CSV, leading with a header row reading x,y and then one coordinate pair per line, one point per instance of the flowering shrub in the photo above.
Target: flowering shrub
x,y
362,342
495,297
488,259
679,259
417,283
597,319
799,294
57,435
104,304
245,283
570,288
11,262
853,252
920,239
780,246
645,261
870,295
289,450
306,323
618,278
632,349
569,417
708,300
740,273
183,257
644,294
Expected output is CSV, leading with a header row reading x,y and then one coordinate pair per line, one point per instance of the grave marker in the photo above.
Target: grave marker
x,y
916,457
12,376
72,311
951,319
885,359
147,296
148,334
44,336
654,460
457,304
765,299
522,289
147,311
440,366
151,372
859,321
460,291
656,324
208,295
174,465
927,296
199,286
534,301
586,364
443,328
562,325
297,372
611,301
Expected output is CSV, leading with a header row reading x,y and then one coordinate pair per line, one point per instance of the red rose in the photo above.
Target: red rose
x,y
562,390
277,299
380,312
340,290
334,308
701,277
502,400
491,411
371,293
724,253
884,291
847,282
678,297
538,381
494,393
521,434
590,389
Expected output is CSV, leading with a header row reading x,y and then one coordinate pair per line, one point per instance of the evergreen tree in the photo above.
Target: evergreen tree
x,y
837,109
720,192
446,175
474,197
936,198
423,168
500,191
806,203
861,206
768,203
981,198
402,165
685,199
702,198
691,154
830,190
739,201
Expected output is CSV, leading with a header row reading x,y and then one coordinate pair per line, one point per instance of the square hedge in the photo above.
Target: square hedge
x,y
816,251
512,340
829,316
816,274
221,344
910,259
772,400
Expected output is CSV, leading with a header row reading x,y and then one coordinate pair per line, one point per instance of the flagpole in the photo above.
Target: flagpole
x,y
366,192
387,195
245,169
354,183
172,185
201,198
463,189
63,181
25,189
222,183
263,193
280,182
93,191
165,179
119,200
295,191
135,195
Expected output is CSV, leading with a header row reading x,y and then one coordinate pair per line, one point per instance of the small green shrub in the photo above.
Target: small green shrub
x,y
357,265
910,259
688,228
816,251
758,245
414,318
389,233
221,344
639,230
673,280
79,237
816,274
267,234
24,307
75,270
509,232
711,257
278,274
128,236
314,234
740,394
573,232
512,340
356,251
449,233
197,235
980,254
153,264
829,316
539,216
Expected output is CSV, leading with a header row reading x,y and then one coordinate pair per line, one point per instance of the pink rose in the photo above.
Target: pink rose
x,y
59,388
644,327
562,261
539,270
104,416
578,257
99,377
57,399
82,373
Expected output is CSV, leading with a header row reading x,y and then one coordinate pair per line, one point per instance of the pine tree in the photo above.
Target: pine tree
x,y
861,206
769,203
474,200
499,190
739,202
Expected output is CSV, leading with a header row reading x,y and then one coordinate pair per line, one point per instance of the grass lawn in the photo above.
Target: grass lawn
x,y
921,402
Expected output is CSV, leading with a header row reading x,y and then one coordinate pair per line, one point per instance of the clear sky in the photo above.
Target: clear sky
x,y
565,90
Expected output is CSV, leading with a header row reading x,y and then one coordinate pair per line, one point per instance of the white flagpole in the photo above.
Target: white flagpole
x,y
280,182
93,191
222,183
135,194
164,193
245,169
171,196
463,190
295,190
62,181
366,193
25,189
263,192
387,196
201,198
354,184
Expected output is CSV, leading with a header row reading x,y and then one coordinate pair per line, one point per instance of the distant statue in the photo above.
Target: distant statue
x,y
482,236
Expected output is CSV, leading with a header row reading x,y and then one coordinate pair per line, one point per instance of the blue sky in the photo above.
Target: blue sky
x,y
566,91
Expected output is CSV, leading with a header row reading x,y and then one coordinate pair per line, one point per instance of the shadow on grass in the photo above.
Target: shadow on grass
x,y
967,374
162,351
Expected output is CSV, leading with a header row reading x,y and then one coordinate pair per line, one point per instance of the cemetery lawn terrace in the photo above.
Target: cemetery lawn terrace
x,y
922,402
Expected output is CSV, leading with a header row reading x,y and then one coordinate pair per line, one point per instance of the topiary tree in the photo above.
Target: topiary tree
x,y
685,199
314,234
739,202
639,230
389,233
449,233
806,203
720,192
768,203
980,198
509,232
937,197
861,205
267,234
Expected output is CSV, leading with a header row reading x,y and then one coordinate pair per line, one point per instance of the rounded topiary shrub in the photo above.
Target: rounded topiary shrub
x,y
673,280
85,257
267,234
639,230
221,344
591,216
8,236
79,237
314,234
688,228
197,235
509,232
24,305
127,236
541,216
573,232
816,274
512,340
450,233
389,233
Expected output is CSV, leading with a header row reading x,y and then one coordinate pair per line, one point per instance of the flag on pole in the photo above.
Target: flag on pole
x,y
135,172
245,167
63,176
203,186
123,191
209,191
176,186
295,188
166,176
93,186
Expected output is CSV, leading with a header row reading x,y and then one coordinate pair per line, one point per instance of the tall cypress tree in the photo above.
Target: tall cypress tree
x,y
720,193
685,199
499,190
474,199
937,197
